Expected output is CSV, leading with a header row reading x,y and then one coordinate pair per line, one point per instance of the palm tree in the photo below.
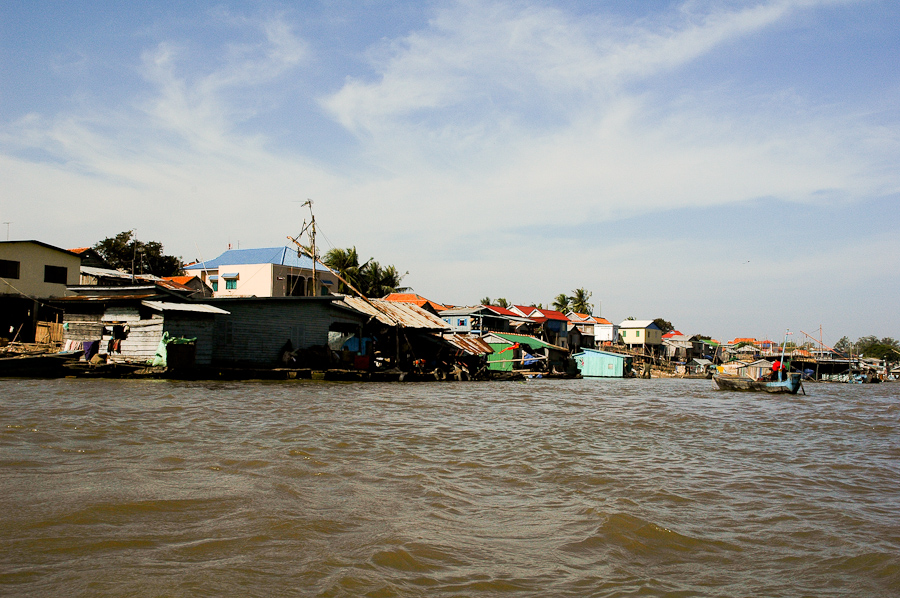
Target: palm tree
x,y
562,303
346,263
375,281
502,302
486,301
580,302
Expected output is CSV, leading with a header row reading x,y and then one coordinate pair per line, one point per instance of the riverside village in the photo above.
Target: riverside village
x,y
285,312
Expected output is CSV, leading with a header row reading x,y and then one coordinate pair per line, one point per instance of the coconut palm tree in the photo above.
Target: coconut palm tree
x,y
580,302
502,302
378,281
346,263
562,303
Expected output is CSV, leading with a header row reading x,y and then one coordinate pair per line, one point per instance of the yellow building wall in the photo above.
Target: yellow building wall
x,y
32,259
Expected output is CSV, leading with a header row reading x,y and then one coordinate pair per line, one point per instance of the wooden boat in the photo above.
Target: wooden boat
x,y
790,385
41,365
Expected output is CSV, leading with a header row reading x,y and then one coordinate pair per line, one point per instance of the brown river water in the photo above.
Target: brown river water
x,y
537,488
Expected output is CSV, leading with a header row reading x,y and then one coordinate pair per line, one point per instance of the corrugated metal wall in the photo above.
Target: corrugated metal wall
x,y
255,331
600,365
201,327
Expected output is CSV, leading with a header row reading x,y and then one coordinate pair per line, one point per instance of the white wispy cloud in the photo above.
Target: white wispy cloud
x,y
521,106
468,134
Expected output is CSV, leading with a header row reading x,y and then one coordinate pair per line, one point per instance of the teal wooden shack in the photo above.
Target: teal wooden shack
x,y
593,363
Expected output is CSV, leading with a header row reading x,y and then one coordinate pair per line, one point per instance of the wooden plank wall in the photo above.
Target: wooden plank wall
x,y
140,346
83,327
48,332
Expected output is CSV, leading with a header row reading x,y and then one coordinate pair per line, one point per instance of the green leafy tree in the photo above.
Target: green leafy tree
x,y
844,345
580,302
127,253
502,302
664,325
875,348
562,303
486,301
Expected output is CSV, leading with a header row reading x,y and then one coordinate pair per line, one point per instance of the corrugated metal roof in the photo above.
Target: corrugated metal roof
x,y
472,345
531,341
284,256
415,299
100,298
92,271
194,307
552,314
501,310
483,310
394,313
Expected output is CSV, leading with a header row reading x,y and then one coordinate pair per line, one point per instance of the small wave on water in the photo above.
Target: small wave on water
x,y
548,488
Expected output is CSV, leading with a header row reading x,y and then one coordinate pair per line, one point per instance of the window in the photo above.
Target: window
x,y
637,333
9,269
215,286
55,274
296,286
230,283
461,322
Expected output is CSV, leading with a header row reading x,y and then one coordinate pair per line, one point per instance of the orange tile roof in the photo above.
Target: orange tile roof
x,y
179,279
79,249
414,299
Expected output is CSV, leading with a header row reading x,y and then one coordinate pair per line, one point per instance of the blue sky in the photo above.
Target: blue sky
x,y
729,166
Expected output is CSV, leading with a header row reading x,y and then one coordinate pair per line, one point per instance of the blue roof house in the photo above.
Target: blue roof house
x,y
266,272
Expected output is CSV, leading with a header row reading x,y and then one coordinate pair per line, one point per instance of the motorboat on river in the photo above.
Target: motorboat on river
x,y
786,382
790,385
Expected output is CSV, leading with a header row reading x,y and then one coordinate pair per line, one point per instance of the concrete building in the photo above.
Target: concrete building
x,y
37,270
32,272
267,272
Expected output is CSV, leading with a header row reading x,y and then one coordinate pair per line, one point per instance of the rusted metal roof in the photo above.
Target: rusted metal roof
x,y
472,345
394,313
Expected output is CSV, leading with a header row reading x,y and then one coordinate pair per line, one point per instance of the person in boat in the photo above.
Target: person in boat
x,y
776,367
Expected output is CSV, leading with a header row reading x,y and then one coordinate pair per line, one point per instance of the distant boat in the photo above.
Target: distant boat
x,y
787,383
790,386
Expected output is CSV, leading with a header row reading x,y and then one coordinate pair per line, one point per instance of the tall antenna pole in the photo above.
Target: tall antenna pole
x,y
312,245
